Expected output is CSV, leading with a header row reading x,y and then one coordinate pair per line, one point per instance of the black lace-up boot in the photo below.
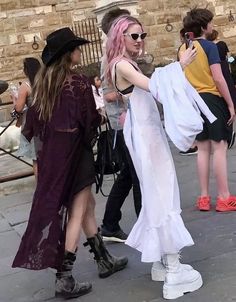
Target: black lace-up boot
x,y
107,264
66,286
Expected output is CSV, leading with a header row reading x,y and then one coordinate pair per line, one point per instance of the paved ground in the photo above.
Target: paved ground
x,y
214,253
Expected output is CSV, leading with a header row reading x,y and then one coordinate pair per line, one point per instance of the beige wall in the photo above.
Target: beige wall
x,y
162,44
21,20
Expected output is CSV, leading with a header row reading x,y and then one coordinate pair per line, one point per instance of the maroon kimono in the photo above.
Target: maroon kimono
x,y
65,167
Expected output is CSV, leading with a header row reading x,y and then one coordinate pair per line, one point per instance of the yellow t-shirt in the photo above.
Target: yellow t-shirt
x,y
198,72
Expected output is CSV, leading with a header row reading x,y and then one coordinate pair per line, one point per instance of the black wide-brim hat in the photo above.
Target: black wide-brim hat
x,y
60,42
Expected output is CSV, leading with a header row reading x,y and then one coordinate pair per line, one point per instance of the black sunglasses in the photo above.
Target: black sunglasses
x,y
135,36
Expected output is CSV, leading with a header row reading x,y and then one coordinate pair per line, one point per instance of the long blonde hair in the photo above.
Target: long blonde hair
x,y
48,86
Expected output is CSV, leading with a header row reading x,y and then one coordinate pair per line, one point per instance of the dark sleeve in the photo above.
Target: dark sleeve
x,y
223,50
28,128
90,116
213,54
87,114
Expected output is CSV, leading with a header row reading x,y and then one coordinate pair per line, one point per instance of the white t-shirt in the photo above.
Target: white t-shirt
x,y
98,98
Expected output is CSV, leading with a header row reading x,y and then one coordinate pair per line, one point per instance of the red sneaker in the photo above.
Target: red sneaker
x,y
226,205
204,203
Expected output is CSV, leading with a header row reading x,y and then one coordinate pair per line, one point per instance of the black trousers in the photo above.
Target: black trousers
x,y
126,180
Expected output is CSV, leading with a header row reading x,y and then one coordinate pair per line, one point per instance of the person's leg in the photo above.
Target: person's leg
x,y
35,169
136,187
220,168
107,263
66,286
76,217
119,191
203,165
89,222
116,198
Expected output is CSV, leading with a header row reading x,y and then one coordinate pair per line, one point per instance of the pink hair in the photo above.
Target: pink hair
x,y
115,46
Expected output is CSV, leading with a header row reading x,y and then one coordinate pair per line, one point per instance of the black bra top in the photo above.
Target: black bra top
x,y
128,89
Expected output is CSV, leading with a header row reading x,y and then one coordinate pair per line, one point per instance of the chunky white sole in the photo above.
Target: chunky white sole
x,y
178,290
158,275
113,239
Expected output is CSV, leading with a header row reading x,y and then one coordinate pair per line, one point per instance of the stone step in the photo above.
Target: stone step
x,y
9,167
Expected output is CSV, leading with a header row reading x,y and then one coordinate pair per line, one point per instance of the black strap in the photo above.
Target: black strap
x,y
128,89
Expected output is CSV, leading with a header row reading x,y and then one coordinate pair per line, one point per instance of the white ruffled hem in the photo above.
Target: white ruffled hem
x,y
154,242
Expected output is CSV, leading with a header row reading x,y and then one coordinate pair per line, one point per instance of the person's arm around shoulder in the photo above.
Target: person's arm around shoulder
x,y
23,93
131,75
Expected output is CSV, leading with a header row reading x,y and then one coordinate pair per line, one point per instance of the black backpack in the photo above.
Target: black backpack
x,y
107,160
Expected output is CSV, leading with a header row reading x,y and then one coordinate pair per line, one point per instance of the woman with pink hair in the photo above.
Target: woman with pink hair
x,y
159,233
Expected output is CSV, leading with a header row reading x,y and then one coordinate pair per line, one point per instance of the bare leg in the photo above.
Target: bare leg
x,y
76,216
35,169
220,168
89,223
203,165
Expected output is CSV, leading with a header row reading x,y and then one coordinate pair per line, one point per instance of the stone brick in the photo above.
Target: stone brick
x,y
9,25
22,23
229,32
65,7
17,50
65,17
148,20
9,5
28,3
43,10
29,38
218,21
7,76
1,52
84,4
3,15
1,26
166,42
15,39
219,10
3,40
37,23
7,64
48,2
21,13
52,19
78,15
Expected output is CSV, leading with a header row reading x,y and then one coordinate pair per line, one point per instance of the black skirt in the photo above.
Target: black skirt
x,y
219,130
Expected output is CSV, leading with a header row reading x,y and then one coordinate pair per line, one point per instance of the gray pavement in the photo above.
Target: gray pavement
x,y
214,253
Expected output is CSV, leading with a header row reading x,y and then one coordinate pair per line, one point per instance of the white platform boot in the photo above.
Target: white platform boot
x,y
158,271
179,280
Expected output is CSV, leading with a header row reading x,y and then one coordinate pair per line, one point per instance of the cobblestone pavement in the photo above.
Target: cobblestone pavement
x,y
214,253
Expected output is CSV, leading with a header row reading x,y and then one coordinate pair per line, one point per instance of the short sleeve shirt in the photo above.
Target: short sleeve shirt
x,y
198,72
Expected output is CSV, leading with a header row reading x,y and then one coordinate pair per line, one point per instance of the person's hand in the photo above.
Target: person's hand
x,y
187,56
232,114
13,98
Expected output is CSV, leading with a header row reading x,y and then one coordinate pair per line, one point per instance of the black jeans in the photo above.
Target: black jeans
x,y
126,180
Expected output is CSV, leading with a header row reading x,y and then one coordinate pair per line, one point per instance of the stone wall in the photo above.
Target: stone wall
x,y
22,20
163,44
